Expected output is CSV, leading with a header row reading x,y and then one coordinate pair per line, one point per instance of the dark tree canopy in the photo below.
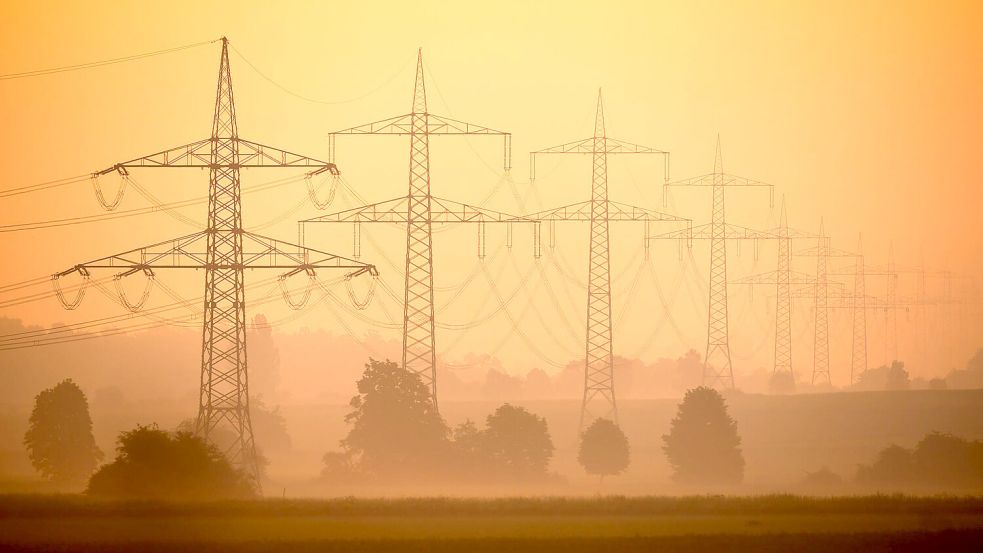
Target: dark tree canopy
x,y
59,436
604,449
517,442
939,461
702,445
395,428
154,464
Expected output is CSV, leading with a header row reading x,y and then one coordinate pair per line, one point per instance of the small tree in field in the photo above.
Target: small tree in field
x,y
604,449
395,430
59,437
517,443
702,445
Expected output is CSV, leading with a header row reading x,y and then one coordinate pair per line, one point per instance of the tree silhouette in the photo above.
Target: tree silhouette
x,y
702,445
154,464
517,442
604,449
396,430
59,437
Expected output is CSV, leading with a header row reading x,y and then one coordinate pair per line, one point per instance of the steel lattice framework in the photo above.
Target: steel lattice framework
x,y
599,397
820,342
224,250
419,209
782,279
717,367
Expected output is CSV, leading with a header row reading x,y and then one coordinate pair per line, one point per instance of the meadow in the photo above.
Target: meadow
x,y
697,523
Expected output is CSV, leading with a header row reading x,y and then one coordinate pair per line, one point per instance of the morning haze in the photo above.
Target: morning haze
x,y
534,276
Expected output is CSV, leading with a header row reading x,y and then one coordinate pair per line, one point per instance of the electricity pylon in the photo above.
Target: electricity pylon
x,y
782,278
820,342
418,210
599,397
224,250
717,367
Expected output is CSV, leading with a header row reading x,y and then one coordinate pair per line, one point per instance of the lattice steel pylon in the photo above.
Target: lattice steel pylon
x,y
782,279
419,351
820,351
717,367
599,396
783,311
224,250
858,348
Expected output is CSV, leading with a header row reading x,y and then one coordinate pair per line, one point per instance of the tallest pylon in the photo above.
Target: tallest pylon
x,y
599,399
418,316
224,394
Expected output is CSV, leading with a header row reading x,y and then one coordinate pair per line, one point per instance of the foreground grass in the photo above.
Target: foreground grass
x,y
766,523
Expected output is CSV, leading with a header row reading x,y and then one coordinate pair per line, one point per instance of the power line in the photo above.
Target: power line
x,y
158,207
42,186
91,64
317,100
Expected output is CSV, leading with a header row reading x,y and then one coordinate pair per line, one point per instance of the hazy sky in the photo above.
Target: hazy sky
x,y
867,114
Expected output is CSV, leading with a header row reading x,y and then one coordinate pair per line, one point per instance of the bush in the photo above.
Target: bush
x,y
154,464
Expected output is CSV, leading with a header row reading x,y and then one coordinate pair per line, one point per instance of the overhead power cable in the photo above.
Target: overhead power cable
x,y
100,63
317,100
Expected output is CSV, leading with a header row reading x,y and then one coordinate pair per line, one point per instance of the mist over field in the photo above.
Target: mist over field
x,y
484,276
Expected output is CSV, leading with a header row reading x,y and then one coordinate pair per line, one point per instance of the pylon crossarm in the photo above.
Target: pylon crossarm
x,y
261,252
705,232
198,154
253,154
189,252
436,124
771,278
611,146
590,145
581,211
186,252
829,252
389,211
450,211
441,211
719,179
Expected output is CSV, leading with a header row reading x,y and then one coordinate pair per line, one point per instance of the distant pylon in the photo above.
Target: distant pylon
x,y
820,352
783,311
891,313
858,359
919,329
599,368
717,368
599,391
419,352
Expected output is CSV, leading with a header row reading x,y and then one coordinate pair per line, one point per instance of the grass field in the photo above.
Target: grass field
x,y
767,523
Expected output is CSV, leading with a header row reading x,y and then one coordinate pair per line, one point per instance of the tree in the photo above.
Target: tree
x,y
154,464
702,445
59,437
885,377
946,460
893,466
395,427
517,442
604,449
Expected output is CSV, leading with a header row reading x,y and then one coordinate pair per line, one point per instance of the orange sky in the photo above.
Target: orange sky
x,y
867,115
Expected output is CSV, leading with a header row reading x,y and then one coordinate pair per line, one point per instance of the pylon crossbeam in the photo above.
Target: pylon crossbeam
x,y
198,154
